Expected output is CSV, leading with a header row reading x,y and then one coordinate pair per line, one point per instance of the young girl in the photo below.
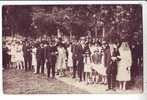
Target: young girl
x,y
20,59
87,66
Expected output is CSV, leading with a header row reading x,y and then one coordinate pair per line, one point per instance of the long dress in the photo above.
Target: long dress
x,y
34,59
69,60
124,65
13,53
61,58
20,57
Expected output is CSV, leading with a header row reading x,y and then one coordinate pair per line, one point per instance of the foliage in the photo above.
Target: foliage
x,y
113,21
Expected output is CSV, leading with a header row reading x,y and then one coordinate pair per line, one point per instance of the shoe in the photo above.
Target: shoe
x,y
107,89
73,77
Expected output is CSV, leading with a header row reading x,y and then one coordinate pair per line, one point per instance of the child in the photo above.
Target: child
x,y
87,66
96,68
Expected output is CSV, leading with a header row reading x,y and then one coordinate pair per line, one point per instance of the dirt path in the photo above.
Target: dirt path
x,y
20,82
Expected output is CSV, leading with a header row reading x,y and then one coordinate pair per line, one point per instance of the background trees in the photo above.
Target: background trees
x,y
108,21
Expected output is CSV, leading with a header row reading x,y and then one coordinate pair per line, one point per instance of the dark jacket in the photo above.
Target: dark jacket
x,y
107,57
74,50
27,51
51,54
112,69
40,53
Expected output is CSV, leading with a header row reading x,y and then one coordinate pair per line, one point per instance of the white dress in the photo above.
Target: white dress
x,y
87,64
69,60
13,54
20,57
124,65
34,60
61,59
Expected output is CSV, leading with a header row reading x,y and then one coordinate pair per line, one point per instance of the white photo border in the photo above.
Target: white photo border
x,y
81,96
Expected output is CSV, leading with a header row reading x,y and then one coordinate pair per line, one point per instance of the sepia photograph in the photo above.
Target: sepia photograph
x,y
72,49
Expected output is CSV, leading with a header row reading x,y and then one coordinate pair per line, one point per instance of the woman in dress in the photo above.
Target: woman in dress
x,y
124,65
34,59
87,64
61,60
13,55
20,59
69,60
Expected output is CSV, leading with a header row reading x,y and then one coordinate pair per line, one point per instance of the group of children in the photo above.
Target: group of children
x,y
94,68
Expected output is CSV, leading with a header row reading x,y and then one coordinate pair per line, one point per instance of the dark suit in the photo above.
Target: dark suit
x,y
51,60
112,70
40,59
27,57
74,50
80,58
5,57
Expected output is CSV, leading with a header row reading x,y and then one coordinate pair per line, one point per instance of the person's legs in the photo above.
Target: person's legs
x,y
93,76
42,66
124,85
87,76
30,63
25,60
53,70
97,78
48,69
113,81
120,85
109,80
81,70
38,65
74,68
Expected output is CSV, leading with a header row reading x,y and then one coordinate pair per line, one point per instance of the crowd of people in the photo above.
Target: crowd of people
x,y
90,60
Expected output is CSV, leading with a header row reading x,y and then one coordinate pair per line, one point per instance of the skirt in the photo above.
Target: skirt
x,y
87,68
100,69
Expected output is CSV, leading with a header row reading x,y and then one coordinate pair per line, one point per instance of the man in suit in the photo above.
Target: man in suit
x,y
74,50
51,51
40,58
80,52
112,68
27,55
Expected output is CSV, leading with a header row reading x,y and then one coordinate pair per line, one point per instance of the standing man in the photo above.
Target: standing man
x,y
40,58
112,69
74,51
51,51
27,56
80,52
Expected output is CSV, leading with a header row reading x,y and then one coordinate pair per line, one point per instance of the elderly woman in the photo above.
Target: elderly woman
x,y
124,65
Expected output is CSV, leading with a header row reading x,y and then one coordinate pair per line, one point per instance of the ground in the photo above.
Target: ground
x,y
21,82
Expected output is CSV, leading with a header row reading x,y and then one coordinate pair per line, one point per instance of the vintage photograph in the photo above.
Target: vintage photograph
x,y
72,49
